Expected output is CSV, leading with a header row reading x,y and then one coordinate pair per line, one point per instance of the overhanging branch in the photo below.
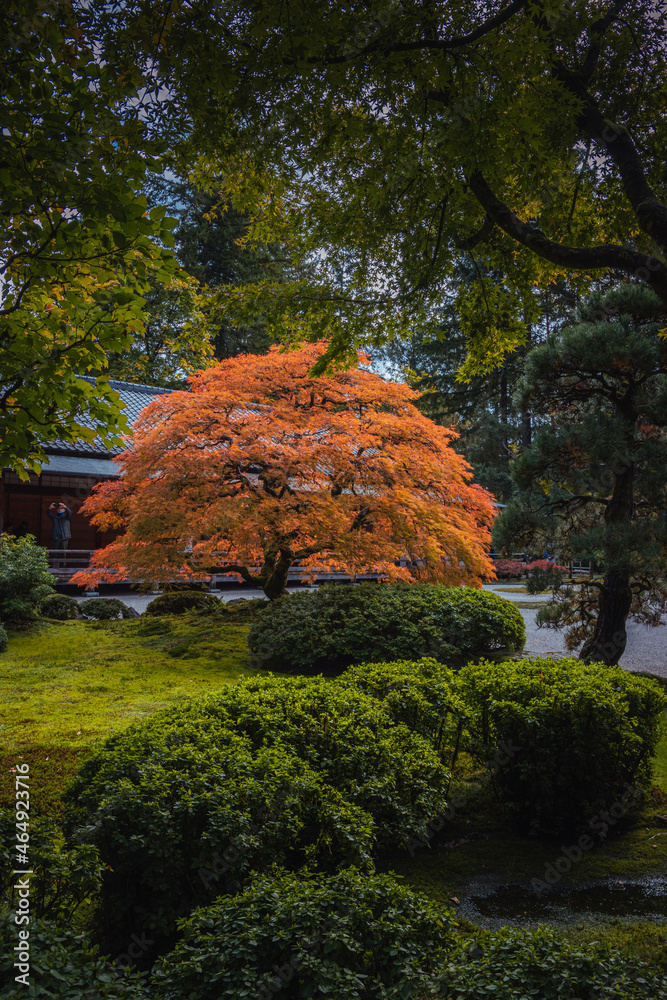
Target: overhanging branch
x,y
243,571
425,44
608,256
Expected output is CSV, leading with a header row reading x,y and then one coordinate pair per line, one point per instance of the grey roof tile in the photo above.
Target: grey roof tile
x,y
134,398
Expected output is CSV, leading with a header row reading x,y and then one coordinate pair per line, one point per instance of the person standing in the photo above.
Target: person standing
x,y
60,526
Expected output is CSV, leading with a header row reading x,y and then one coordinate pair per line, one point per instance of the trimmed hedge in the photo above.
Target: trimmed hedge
x,y
177,602
585,732
286,770
61,607
335,626
348,935
105,609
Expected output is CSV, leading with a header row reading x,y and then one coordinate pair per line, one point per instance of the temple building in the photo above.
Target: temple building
x,y
68,477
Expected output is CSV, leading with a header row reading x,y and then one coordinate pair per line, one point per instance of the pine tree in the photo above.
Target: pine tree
x,y
594,481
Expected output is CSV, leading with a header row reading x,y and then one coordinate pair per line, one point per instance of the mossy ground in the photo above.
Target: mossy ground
x,y
477,842
66,685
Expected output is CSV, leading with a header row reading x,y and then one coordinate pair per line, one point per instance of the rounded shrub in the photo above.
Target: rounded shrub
x,y
422,694
582,735
334,626
544,574
289,770
348,935
4,638
509,569
177,602
61,607
104,608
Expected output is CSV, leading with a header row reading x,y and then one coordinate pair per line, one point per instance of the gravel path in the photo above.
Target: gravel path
x,y
646,649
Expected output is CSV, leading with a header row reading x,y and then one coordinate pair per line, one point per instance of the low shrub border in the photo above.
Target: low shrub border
x,y
513,964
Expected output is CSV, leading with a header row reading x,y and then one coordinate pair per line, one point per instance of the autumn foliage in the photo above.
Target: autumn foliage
x,y
261,465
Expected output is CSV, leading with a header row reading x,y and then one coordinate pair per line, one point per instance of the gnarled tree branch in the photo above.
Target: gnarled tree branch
x,y
609,256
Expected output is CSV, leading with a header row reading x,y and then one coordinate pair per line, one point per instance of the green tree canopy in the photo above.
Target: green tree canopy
x,y
76,239
399,139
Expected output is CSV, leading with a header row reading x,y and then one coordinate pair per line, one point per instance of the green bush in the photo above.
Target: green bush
x,y
515,964
421,694
62,878
104,608
286,770
4,639
240,612
62,607
25,580
348,935
584,732
177,602
335,626
64,965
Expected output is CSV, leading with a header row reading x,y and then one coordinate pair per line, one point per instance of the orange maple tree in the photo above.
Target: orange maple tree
x,y
260,465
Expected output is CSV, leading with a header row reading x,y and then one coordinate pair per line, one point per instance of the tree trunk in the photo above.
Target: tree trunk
x,y
526,430
607,644
274,574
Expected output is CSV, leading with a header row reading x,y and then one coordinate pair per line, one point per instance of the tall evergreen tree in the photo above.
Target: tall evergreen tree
x,y
493,430
211,244
594,481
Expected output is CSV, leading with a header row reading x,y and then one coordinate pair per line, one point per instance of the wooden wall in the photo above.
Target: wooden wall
x,y
30,502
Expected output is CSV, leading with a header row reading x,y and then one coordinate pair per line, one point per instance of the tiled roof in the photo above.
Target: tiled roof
x,y
134,398
70,465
